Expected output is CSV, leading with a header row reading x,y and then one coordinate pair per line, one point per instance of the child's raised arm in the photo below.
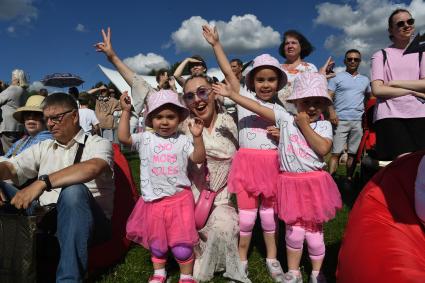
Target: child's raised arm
x,y
319,144
196,127
106,47
250,104
211,36
124,124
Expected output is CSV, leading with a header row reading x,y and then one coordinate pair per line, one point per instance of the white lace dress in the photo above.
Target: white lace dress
x,y
218,248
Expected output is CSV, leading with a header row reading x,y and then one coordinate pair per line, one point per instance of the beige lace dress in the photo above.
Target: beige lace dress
x,y
218,248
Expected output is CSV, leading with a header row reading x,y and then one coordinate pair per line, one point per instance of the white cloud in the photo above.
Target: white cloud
x,y
11,29
241,35
20,10
143,64
81,28
363,25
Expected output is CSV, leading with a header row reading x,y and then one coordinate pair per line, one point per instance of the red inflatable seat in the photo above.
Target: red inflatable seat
x,y
126,196
384,240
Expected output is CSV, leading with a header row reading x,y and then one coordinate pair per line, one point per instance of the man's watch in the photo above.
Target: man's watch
x,y
45,179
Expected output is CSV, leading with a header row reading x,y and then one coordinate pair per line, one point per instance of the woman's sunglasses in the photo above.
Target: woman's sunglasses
x,y
201,92
409,22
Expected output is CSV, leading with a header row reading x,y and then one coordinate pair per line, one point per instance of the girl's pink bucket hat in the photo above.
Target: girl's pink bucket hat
x,y
162,97
269,61
310,85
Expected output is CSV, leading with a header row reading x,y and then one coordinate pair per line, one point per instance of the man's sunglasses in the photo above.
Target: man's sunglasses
x,y
349,59
57,119
201,92
409,22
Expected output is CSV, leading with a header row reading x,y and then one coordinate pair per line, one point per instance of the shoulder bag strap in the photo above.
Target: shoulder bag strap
x,y
80,150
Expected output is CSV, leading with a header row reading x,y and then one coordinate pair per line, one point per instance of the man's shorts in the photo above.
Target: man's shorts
x,y
347,132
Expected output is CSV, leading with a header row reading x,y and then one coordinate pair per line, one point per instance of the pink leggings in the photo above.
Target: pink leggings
x,y
248,214
295,239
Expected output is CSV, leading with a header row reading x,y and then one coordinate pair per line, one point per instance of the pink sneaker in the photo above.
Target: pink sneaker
x,y
157,279
187,280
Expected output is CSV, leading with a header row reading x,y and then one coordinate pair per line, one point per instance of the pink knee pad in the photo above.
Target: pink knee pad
x,y
247,219
182,252
316,245
294,237
268,219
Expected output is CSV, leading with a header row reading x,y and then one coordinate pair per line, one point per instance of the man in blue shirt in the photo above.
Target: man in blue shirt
x,y
348,90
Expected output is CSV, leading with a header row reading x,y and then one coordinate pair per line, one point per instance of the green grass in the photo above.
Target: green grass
x,y
136,266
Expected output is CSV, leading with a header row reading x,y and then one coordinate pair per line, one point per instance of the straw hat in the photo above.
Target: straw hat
x,y
33,104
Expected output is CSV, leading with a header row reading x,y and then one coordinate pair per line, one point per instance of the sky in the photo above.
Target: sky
x,y
48,36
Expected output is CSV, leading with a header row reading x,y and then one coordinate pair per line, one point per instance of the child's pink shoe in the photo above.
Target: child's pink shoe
x,y
157,279
187,280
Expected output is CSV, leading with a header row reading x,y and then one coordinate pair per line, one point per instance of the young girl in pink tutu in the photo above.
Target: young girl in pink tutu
x,y
163,217
255,166
307,196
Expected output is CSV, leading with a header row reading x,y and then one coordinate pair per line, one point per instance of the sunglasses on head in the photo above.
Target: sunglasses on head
x,y
409,22
349,59
201,92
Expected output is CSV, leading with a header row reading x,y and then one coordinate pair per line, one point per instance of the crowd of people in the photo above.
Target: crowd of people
x,y
263,137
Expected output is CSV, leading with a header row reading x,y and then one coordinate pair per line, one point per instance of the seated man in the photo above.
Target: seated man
x,y
31,115
82,191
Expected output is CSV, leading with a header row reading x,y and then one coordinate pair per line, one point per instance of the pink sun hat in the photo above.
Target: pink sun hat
x,y
162,97
310,85
269,61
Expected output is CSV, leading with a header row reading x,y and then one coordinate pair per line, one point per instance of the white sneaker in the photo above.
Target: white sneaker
x,y
290,277
275,271
319,279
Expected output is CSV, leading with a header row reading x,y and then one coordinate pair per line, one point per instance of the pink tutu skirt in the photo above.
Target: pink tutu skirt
x,y
307,199
254,171
164,223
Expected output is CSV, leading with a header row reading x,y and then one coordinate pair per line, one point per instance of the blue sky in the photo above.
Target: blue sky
x,y
43,37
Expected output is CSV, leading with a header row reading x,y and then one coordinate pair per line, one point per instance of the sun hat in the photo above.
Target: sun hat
x,y
310,85
33,104
265,60
160,98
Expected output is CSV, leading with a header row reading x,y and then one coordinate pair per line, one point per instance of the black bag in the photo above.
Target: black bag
x,y
17,246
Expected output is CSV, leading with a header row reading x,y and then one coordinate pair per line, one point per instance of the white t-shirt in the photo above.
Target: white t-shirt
x,y
87,119
163,163
295,154
252,128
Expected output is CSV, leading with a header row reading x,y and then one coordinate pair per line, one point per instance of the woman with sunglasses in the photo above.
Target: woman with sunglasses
x,y
218,247
398,82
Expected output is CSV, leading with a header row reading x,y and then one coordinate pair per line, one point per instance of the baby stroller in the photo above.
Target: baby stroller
x,y
366,155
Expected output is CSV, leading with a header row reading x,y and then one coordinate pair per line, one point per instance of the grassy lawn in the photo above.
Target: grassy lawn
x,y
136,266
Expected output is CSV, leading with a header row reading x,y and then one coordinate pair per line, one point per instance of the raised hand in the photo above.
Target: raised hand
x,y
125,102
222,89
210,34
323,69
196,126
106,45
302,119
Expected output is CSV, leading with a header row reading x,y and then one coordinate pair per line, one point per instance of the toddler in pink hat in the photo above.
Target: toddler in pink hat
x,y
255,166
307,196
163,217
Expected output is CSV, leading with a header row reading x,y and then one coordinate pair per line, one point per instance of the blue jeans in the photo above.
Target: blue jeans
x,y
80,223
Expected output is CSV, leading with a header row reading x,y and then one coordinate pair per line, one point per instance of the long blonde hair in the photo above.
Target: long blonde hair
x,y
20,76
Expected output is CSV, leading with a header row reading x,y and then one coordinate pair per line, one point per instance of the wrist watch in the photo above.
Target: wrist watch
x,y
45,179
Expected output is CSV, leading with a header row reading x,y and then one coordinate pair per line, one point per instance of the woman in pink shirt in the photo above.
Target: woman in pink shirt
x,y
398,81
